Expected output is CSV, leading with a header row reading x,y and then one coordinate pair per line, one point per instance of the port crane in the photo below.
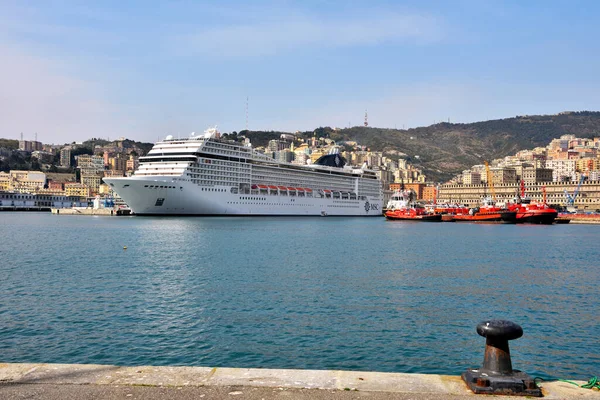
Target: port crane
x,y
571,197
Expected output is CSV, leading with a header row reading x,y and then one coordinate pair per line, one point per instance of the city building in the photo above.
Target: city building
x,y
76,189
132,164
504,176
118,163
536,175
92,181
562,169
23,181
56,186
90,163
471,178
416,187
276,145
430,193
65,157
5,181
588,197
284,155
586,164
29,146
42,156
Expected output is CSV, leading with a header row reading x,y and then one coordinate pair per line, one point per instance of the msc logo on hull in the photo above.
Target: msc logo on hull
x,y
369,206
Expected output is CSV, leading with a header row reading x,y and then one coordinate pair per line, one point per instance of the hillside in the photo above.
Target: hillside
x,y
446,149
11,159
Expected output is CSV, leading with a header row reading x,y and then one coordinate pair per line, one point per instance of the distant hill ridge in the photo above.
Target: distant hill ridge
x,y
445,149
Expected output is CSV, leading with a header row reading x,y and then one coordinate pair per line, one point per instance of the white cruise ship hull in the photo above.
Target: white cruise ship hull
x,y
204,175
159,196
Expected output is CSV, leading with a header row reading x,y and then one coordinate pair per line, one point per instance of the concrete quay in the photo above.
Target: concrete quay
x,y
90,211
581,218
69,381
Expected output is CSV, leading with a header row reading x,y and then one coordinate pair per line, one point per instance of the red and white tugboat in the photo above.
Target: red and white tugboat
x,y
402,206
532,212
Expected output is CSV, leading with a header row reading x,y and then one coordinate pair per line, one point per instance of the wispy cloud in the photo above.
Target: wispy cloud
x,y
291,32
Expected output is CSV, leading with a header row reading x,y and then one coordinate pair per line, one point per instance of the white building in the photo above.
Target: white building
x,y
562,169
471,178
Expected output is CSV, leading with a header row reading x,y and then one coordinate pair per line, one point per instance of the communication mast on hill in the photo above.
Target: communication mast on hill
x,y
366,119
246,113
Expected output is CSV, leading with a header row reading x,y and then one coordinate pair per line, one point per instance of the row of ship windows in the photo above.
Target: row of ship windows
x,y
211,167
159,187
214,182
217,145
225,152
213,190
229,175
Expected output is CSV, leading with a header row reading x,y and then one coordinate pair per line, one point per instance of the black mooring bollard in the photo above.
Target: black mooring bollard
x,y
496,359
496,375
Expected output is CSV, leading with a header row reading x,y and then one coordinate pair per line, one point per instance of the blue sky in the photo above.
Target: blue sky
x,y
71,70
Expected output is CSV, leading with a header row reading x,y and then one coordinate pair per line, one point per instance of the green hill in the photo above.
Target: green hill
x,y
446,149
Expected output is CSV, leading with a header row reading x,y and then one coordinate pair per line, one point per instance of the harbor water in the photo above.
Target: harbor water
x,y
316,293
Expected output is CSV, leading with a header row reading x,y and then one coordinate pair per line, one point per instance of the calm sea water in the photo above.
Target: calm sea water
x,y
319,293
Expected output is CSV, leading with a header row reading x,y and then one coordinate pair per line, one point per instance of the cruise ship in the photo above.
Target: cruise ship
x,y
206,175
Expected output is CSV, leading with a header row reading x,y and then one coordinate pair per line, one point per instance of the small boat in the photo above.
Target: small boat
x,y
412,214
402,206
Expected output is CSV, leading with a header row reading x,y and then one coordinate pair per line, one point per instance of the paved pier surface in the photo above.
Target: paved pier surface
x,y
65,381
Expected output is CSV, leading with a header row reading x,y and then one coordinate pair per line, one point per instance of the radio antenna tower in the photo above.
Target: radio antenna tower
x,y
366,119
246,113
21,136
36,136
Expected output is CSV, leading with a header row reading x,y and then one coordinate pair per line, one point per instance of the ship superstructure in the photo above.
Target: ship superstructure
x,y
206,175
